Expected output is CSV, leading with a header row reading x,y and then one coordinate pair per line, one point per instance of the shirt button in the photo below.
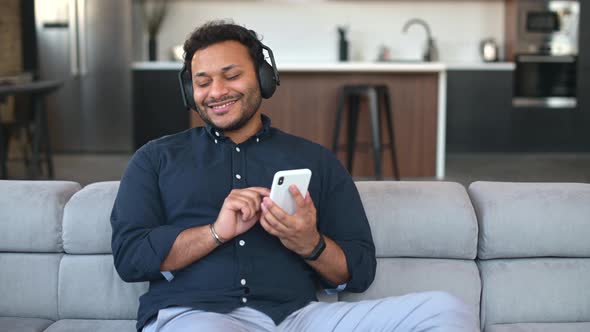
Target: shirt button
x,y
243,282
244,300
217,133
215,141
238,176
242,243
237,149
257,139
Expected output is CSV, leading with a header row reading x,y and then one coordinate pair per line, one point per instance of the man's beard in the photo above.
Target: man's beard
x,y
250,103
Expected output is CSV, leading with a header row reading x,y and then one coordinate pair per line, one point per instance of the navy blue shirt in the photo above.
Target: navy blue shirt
x,y
180,181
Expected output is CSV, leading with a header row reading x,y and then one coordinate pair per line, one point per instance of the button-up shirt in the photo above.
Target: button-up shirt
x,y
180,181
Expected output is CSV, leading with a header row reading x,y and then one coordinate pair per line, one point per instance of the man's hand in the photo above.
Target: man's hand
x,y
297,232
240,211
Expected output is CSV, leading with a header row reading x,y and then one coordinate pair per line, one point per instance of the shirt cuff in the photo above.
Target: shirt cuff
x,y
169,276
336,290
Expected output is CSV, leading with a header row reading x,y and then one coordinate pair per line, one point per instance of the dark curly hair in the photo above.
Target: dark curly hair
x,y
214,32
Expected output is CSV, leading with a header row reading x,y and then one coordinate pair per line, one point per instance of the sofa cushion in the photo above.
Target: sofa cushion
x,y
540,327
18,324
31,214
532,219
399,276
86,225
420,219
535,290
77,325
28,285
90,288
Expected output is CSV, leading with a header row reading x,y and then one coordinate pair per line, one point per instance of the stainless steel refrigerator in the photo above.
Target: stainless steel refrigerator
x,y
87,44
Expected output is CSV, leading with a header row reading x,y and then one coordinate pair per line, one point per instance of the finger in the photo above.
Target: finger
x,y
297,196
254,193
267,226
309,203
253,202
254,219
253,196
260,190
277,216
244,205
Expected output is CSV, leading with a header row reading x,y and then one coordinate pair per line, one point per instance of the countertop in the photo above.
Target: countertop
x,y
392,66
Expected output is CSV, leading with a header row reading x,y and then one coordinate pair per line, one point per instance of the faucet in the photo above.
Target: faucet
x,y
430,52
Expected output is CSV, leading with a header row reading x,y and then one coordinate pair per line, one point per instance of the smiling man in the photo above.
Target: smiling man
x,y
226,88
193,217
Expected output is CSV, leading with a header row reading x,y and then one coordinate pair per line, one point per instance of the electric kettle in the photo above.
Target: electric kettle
x,y
489,50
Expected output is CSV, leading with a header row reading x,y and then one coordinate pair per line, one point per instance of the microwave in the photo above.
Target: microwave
x,y
548,27
542,22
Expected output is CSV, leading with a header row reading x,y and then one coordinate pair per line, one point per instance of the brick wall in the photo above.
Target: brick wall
x,y
10,38
10,44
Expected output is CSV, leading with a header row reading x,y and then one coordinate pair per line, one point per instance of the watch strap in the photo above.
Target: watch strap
x,y
317,251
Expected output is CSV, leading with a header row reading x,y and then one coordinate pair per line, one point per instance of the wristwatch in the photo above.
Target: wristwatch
x,y
317,251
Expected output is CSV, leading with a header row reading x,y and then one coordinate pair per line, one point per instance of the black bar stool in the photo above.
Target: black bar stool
x,y
378,100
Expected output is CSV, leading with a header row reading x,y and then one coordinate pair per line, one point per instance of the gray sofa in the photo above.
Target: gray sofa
x,y
517,253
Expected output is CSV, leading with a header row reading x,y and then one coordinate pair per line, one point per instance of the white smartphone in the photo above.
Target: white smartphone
x,y
279,191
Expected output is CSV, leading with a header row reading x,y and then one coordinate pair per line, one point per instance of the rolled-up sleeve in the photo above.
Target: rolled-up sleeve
x,y
342,218
141,238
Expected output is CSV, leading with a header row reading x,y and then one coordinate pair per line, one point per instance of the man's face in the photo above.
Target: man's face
x,y
225,86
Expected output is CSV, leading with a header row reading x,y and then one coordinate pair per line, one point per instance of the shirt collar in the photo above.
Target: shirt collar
x,y
217,134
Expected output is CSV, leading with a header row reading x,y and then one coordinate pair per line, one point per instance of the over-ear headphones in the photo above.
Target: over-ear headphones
x,y
268,77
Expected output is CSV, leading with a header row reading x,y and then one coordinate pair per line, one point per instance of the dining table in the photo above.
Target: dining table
x,y
34,118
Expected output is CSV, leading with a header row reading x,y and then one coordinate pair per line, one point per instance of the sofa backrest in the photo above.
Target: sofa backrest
x,y
425,235
56,255
31,246
89,286
534,251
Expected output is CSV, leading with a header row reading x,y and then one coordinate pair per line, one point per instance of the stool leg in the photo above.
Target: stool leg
x,y
389,116
339,112
3,154
47,143
374,110
353,105
35,168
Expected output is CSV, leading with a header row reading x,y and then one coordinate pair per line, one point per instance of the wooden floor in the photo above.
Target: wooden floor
x,y
462,168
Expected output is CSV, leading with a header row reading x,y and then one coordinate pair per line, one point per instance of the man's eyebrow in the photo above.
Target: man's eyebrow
x,y
224,69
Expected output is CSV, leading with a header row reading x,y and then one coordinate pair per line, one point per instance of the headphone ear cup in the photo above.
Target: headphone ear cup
x,y
266,78
186,86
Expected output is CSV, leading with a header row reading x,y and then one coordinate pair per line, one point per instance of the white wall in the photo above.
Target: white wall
x,y
305,31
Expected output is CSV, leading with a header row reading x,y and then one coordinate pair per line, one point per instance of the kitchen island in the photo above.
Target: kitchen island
x,y
305,105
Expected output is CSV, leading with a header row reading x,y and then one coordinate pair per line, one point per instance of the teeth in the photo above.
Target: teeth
x,y
224,105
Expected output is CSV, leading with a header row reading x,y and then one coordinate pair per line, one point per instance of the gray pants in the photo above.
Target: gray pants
x,y
428,311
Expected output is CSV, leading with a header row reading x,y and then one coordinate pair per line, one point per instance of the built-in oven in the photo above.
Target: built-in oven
x,y
546,54
545,81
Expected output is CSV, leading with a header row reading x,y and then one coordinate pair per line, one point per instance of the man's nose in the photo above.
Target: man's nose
x,y
218,89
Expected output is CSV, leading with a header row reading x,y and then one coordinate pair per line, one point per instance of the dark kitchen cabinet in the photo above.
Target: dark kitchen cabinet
x,y
562,129
479,104
583,111
584,76
157,105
